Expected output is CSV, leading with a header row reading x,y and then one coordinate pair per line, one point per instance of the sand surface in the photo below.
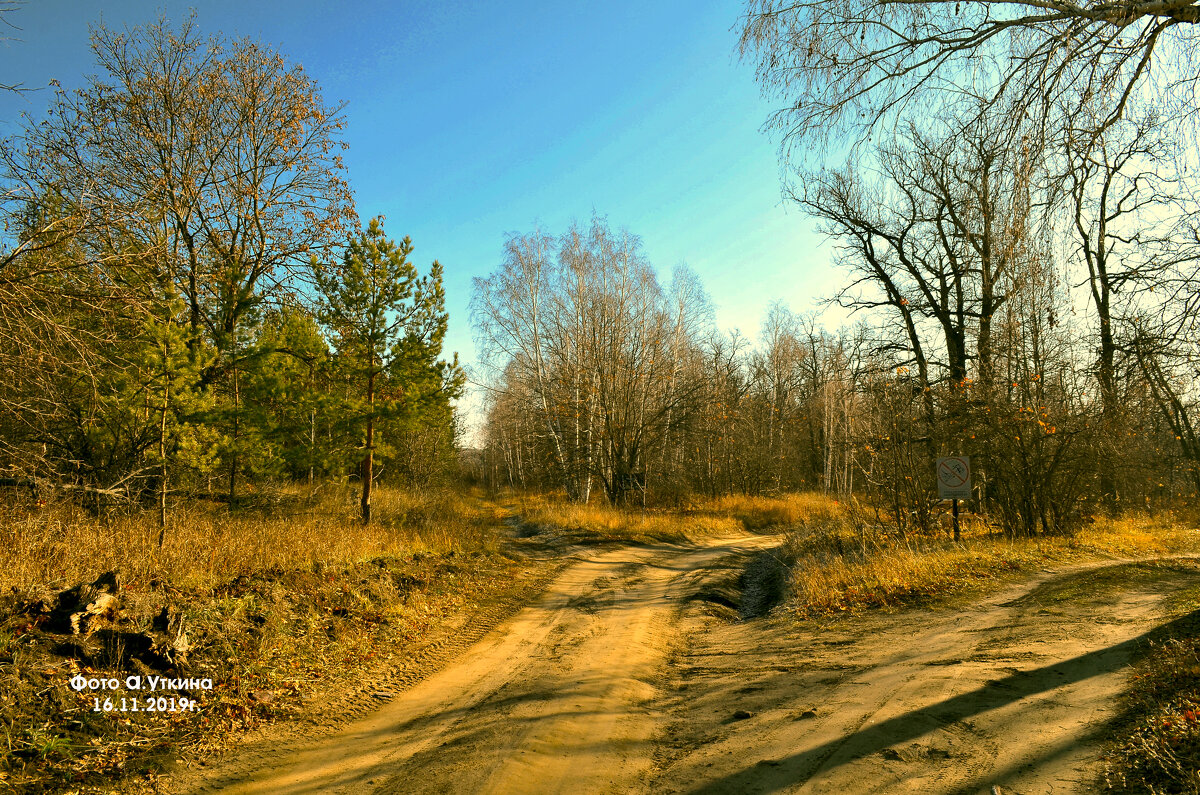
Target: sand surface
x,y
618,680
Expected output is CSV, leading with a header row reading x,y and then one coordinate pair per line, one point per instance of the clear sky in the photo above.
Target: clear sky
x,y
469,120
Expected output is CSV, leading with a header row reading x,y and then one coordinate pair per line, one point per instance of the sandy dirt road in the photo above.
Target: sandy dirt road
x,y
561,698
1010,694
617,680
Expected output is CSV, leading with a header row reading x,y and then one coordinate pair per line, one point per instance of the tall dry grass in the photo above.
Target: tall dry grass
x,y
206,543
603,522
760,513
841,563
702,517
839,560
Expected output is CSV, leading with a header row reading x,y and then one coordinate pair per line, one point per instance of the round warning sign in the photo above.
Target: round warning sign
x,y
954,478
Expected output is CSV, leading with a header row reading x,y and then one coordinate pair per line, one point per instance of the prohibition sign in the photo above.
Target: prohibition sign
x,y
954,477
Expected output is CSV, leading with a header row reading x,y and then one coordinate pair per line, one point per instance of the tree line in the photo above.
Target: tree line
x,y
606,383
189,305
1029,306
1011,192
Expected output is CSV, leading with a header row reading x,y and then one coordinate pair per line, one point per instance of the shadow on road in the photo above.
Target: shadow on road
x,y
794,770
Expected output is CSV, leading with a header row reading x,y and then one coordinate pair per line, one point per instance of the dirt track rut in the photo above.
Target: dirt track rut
x,y
613,682
558,699
1012,692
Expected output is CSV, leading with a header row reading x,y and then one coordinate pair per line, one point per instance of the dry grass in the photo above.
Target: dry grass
x,y
290,598
1158,745
759,513
839,563
602,522
292,595
207,544
1156,737
702,517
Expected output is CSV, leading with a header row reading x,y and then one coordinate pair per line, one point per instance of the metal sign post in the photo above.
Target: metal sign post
x,y
954,483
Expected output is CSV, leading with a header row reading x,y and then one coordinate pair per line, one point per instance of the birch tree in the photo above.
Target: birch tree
x,y
199,167
581,324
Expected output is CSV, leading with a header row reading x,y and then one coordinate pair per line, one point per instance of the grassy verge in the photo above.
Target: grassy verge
x,y
289,609
1156,746
601,523
840,564
837,565
838,560
704,517
207,544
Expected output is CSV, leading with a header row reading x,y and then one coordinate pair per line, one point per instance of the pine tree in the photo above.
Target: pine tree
x,y
387,323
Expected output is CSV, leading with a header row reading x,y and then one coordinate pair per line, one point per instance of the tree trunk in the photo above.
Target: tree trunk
x,y
312,427
162,457
233,462
368,466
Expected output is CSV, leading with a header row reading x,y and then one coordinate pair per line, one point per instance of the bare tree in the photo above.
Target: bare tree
x,y
855,66
1121,205
1170,372
7,7
510,310
582,325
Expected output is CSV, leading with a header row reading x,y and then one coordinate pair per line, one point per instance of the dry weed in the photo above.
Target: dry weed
x,y
287,605
1158,746
703,517
206,543
607,523
757,513
841,563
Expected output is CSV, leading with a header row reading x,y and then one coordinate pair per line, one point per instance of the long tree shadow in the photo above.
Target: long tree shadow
x,y
798,768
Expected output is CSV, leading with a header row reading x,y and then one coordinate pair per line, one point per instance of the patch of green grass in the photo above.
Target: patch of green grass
x,y
48,745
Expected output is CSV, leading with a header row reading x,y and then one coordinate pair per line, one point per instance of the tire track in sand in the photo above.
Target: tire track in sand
x,y
561,698
1012,691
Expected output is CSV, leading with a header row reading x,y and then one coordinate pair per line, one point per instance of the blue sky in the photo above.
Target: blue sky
x,y
469,120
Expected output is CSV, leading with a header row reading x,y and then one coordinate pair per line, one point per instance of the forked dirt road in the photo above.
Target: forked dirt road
x,y
615,680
